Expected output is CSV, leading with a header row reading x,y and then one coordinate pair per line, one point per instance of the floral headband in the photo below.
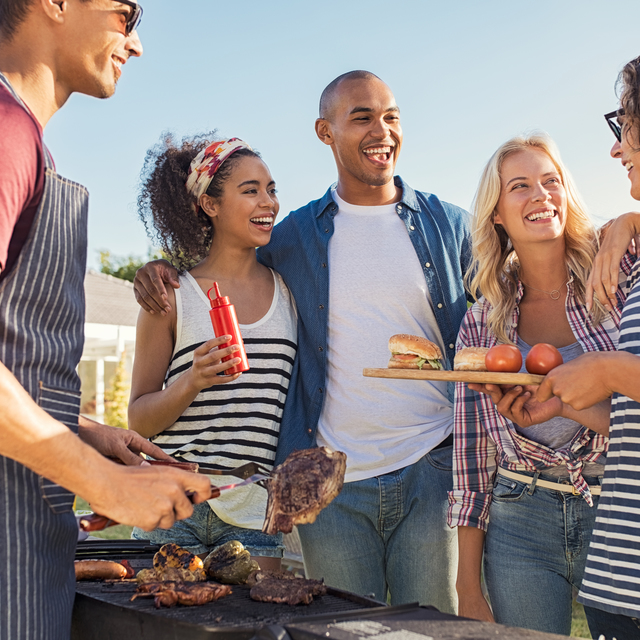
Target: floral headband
x,y
204,166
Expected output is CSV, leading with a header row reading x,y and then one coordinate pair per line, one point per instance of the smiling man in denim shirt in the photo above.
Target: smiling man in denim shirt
x,y
372,258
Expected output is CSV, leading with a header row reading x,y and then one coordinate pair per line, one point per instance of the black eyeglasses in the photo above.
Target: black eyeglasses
x,y
615,124
134,18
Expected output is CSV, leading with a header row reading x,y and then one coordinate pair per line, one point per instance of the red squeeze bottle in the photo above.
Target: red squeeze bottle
x,y
225,323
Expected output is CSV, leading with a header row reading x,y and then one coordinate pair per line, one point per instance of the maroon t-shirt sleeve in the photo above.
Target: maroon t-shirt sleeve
x,y
21,176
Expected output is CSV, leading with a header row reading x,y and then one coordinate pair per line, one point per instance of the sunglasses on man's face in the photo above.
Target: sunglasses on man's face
x,y
614,123
134,17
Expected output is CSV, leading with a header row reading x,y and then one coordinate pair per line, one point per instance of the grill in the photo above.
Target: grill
x,y
103,611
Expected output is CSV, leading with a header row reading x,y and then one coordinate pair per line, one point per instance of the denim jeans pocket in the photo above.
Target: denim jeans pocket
x,y
506,490
441,458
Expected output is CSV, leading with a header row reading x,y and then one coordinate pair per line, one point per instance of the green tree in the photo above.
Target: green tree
x,y
116,397
125,267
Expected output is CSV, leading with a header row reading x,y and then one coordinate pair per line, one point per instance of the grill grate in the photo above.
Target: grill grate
x,y
236,610
102,608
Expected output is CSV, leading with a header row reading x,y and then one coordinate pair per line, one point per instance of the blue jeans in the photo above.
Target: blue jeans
x,y
204,531
535,553
389,533
612,625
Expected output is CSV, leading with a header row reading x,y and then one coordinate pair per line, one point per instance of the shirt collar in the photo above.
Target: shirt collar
x,y
409,197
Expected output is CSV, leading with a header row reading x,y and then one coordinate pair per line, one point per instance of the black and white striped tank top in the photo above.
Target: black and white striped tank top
x,y
228,425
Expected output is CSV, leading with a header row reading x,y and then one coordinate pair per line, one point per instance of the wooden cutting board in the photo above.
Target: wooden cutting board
x,y
479,377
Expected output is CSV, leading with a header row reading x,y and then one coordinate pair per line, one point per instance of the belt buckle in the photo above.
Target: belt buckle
x,y
574,491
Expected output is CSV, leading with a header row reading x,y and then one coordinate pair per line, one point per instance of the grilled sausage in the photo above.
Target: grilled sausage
x,y
99,570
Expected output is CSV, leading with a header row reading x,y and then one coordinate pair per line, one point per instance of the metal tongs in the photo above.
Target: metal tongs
x,y
249,473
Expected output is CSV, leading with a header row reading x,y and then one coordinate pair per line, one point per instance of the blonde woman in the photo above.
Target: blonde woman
x,y
527,475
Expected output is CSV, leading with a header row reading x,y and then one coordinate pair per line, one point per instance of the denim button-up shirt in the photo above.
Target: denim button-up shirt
x,y
298,250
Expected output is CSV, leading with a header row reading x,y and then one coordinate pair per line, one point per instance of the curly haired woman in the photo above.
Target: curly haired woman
x,y
211,203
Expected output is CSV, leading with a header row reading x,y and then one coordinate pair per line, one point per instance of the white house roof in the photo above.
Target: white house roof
x,y
109,300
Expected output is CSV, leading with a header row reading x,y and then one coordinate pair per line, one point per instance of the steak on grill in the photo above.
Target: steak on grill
x,y
304,484
287,591
259,575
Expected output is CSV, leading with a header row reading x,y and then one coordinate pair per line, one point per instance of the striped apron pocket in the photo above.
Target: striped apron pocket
x,y
63,405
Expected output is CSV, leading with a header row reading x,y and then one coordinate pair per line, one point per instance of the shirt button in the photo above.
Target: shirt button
x,y
399,207
326,230
451,346
411,227
320,390
320,349
309,430
321,306
428,264
439,305
324,265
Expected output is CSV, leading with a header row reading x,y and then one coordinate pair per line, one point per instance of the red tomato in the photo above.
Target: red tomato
x,y
503,357
542,358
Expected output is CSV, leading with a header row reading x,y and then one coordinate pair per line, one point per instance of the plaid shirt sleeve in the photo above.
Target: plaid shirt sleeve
x,y
474,452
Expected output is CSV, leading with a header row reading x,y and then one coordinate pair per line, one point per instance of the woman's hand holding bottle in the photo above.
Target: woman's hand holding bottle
x,y
208,369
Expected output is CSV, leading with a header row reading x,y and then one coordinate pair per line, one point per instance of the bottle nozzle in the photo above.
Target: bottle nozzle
x,y
218,300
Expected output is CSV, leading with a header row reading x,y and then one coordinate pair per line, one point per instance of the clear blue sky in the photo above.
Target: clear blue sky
x,y
467,75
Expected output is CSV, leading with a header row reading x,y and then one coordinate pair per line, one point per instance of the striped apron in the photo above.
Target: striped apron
x,y
41,339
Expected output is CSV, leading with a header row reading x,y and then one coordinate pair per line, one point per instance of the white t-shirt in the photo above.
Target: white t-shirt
x,y
377,289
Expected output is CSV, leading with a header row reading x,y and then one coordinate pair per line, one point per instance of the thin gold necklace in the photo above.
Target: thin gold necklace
x,y
554,294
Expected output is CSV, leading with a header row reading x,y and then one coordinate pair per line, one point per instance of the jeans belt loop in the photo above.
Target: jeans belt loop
x,y
532,486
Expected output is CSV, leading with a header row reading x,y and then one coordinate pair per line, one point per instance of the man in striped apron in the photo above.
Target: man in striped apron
x,y
47,51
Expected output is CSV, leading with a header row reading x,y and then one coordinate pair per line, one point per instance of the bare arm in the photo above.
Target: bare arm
x,y
522,406
619,237
151,408
122,444
595,418
472,603
592,378
143,496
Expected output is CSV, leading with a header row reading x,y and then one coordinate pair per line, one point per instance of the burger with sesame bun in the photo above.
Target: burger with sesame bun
x,y
413,352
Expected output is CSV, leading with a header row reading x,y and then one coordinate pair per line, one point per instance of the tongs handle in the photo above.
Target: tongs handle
x,y
96,522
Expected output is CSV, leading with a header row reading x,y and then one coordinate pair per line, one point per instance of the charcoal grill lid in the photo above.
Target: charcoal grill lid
x,y
276,632
407,622
271,632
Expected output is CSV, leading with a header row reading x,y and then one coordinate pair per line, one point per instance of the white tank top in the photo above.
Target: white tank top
x,y
230,424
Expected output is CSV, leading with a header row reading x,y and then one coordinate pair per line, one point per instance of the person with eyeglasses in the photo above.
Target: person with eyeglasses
x,y
48,452
610,589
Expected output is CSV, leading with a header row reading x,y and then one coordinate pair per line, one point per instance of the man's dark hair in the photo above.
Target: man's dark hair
x,y
629,82
12,15
328,95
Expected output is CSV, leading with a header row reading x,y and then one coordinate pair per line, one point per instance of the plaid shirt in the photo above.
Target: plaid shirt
x,y
485,440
